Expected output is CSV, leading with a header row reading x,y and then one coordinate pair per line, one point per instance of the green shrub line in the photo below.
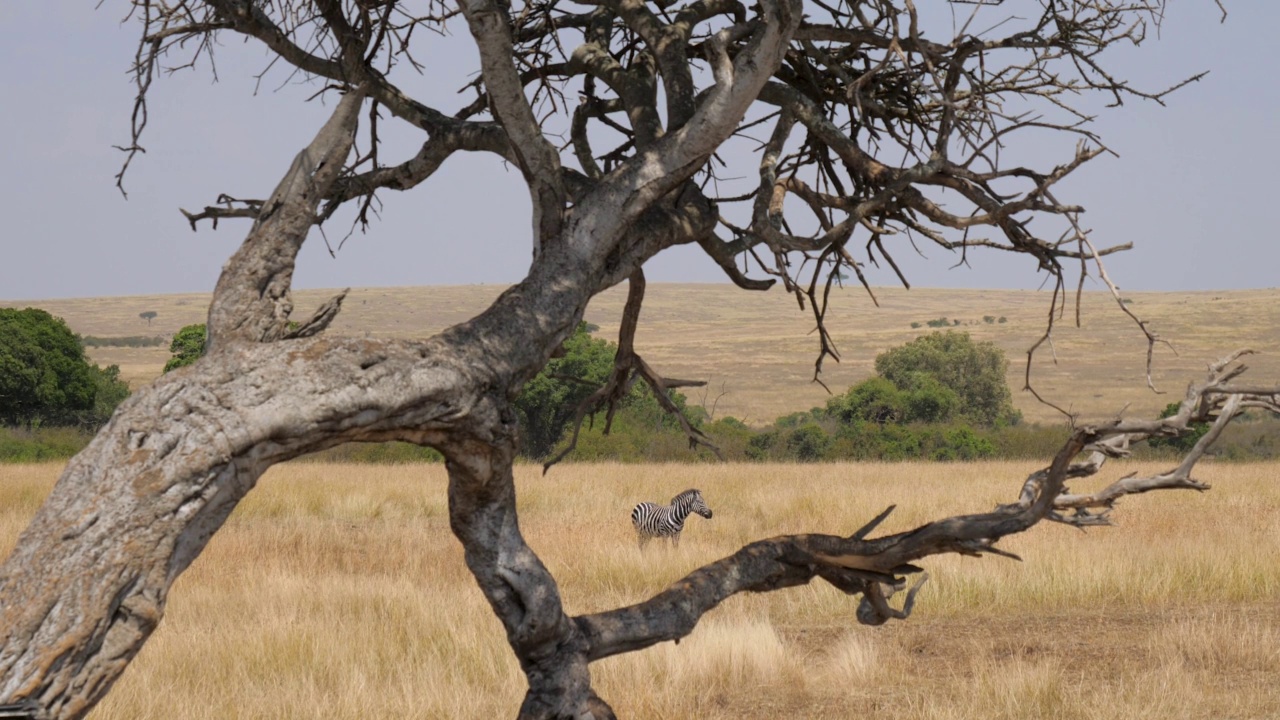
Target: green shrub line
x,y
46,444
941,397
1251,439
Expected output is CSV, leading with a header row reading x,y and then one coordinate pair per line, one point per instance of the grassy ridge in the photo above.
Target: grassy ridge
x,y
337,591
756,350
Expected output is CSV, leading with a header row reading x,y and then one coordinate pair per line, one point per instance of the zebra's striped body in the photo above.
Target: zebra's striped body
x,y
652,520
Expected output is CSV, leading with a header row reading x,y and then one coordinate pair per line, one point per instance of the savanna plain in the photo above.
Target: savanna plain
x,y
337,591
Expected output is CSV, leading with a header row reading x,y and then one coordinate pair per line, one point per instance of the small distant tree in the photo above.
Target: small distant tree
x,y
148,316
187,346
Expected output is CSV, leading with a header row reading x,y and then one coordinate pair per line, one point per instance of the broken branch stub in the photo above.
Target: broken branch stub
x,y
252,300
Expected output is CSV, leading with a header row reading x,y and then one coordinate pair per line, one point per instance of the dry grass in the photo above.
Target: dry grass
x,y
337,591
757,347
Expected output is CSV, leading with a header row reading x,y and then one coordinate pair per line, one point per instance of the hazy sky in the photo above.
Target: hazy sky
x,y
1192,188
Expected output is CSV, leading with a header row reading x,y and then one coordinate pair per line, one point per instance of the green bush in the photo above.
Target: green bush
x,y
731,435
109,392
926,400
807,443
974,371
548,402
959,443
761,446
871,441
874,400
187,347
45,378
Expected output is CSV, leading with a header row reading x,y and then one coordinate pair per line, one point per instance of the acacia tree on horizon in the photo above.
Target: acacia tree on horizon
x,y
874,135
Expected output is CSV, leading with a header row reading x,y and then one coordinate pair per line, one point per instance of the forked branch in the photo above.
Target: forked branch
x,y
627,366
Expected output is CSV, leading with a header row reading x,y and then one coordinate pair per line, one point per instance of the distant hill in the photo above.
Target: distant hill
x,y
756,350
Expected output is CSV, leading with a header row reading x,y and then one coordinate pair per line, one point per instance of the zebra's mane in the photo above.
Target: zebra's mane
x,y
686,495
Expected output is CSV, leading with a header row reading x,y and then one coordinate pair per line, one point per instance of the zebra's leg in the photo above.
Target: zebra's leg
x,y
642,538
675,540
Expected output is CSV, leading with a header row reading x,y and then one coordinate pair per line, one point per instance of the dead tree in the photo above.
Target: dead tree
x,y
882,127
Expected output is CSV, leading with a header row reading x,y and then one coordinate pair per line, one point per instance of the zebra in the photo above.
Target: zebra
x,y
652,520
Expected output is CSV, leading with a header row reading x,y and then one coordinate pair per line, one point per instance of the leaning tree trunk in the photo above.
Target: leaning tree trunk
x,y
88,581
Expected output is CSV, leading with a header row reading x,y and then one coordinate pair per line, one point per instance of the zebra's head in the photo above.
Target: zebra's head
x,y
692,499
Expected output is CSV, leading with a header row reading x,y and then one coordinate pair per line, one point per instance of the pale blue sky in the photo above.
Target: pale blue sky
x,y
1193,185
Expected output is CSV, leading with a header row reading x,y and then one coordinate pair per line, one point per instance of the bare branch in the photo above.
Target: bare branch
x,y
226,208
320,319
537,159
857,565
252,299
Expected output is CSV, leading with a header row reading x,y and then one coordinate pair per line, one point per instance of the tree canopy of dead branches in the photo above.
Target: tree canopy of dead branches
x,y
790,140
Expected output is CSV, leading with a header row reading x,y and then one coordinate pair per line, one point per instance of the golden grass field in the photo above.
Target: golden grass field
x,y
757,353
337,591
